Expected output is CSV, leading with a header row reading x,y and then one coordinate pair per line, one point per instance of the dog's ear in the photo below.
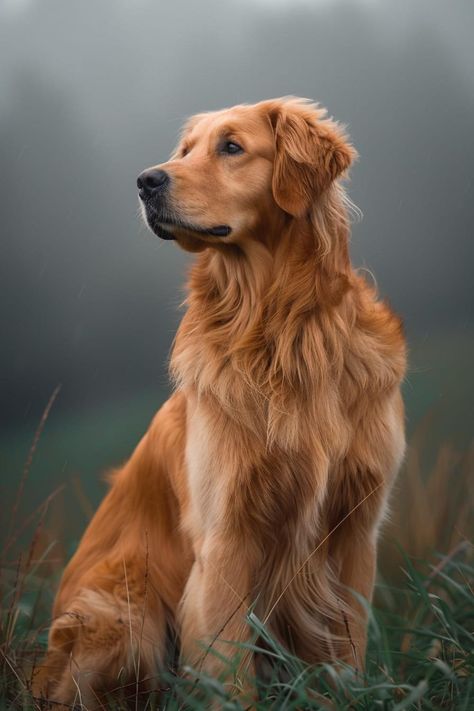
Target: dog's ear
x,y
311,152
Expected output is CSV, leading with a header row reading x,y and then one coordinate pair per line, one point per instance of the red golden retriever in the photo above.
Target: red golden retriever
x,y
262,482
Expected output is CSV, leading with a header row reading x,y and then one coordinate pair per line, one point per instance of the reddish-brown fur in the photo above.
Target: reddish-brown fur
x,y
263,480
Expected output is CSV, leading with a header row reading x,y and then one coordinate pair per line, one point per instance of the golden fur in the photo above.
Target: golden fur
x,y
263,480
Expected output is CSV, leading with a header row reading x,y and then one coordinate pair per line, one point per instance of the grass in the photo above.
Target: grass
x,y
420,653
421,643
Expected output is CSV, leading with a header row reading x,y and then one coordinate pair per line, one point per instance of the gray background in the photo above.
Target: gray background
x,y
93,92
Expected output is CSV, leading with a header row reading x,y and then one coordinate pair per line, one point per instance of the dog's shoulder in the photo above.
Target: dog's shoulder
x,y
377,345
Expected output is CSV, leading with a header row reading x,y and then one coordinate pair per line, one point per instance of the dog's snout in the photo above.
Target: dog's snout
x,y
152,181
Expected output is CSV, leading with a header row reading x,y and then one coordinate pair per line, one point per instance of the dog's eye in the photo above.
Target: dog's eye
x,y
184,151
231,148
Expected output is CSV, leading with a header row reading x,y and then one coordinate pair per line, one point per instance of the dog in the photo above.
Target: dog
x,y
262,482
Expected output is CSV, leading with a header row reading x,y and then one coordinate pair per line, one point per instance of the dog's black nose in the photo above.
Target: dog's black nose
x,y
152,181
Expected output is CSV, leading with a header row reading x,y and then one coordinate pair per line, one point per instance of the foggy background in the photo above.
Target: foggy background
x,y
92,93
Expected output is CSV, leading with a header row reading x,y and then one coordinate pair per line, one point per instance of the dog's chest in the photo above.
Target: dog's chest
x,y
237,476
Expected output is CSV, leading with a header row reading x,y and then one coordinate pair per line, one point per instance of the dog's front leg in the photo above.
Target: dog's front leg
x,y
358,564
358,507
213,617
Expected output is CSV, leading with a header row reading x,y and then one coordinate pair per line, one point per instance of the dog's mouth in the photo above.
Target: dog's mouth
x,y
166,227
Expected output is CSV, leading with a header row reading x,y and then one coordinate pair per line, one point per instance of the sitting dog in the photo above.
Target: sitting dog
x,y
262,482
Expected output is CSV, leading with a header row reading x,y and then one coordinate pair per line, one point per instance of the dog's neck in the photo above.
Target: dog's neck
x,y
244,329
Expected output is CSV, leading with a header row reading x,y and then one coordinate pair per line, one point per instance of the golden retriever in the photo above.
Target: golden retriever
x,y
261,483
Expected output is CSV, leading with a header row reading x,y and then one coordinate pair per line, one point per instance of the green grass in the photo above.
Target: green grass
x,y
420,653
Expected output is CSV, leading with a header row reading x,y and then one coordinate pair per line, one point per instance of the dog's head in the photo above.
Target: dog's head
x,y
239,170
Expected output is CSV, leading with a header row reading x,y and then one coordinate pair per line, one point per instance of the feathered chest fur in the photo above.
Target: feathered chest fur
x,y
290,359
281,357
